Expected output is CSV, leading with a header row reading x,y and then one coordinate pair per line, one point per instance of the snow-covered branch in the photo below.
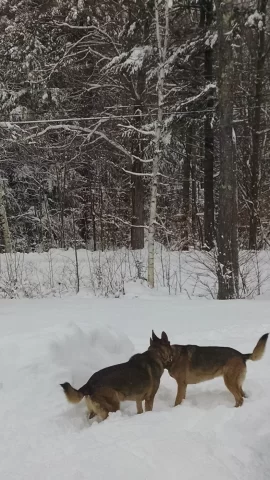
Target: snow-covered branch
x,y
138,130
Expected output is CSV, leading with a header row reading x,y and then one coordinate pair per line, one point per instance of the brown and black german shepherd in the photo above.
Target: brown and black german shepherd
x,y
138,380
192,364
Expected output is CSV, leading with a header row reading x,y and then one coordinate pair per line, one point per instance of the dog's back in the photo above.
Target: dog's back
x,y
210,360
131,378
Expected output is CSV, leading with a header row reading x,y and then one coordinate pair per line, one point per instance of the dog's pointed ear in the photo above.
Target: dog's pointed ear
x,y
151,342
154,337
164,337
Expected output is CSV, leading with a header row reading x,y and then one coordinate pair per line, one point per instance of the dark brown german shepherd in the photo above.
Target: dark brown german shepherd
x,y
138,380
192,364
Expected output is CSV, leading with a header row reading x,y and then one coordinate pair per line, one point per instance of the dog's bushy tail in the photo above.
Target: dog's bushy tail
x,y
259,350
73,395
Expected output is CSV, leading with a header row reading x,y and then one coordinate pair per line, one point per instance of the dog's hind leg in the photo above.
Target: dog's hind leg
x,y
234,375
94,408
149,402
106,401
244,395
139,406
90,407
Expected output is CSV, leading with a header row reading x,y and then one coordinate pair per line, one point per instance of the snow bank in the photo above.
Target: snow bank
x,y
80,351
76,351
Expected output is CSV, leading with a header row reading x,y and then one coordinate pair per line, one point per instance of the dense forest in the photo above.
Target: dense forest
x,y
129,121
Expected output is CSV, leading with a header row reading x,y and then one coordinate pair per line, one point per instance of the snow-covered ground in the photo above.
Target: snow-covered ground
x,y
112,273
44,342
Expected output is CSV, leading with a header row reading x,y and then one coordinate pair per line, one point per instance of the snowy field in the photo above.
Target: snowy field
x,y
112,273
44,342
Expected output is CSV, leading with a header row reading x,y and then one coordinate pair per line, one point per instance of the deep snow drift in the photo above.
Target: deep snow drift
x,y
46,342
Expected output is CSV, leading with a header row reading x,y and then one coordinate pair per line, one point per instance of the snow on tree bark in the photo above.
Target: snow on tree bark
x,y
162,43
4,221
255,159
209,205
228,266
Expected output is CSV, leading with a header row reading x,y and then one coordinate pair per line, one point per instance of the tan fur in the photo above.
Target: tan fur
x,y
103,402
192,364
258,351
72,395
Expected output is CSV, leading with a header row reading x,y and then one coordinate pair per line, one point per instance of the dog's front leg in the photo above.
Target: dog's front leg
x,y
149,401
181,392
139,406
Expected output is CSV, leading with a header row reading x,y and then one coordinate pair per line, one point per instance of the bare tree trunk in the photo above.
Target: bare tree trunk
x,y
256,126
162,52
75,252
93,216
4,221
137,189
61,185
209,206
186,186
138,145
101,247
194,198
137,199
228,270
